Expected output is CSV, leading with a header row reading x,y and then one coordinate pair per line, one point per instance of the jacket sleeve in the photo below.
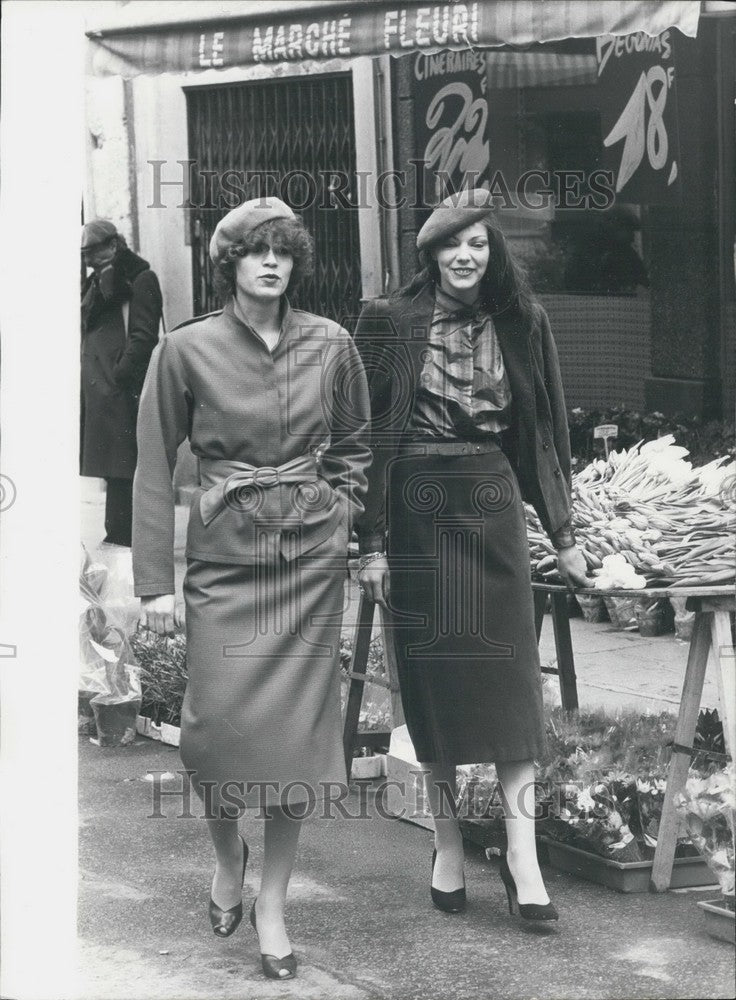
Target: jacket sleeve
x,y
144,319
164,419
372,334
564,535
345,460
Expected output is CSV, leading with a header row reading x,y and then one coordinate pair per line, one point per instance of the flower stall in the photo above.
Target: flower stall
x,y
644,518
599,797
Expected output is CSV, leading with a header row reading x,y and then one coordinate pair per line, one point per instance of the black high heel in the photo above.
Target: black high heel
x,y
448,902
224,922
274,968
528,911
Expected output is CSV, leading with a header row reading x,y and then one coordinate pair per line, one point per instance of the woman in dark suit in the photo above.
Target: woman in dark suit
x,y
275,405
468,418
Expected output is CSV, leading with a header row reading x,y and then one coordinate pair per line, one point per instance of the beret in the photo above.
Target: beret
x,y
97,232
244,219
453,214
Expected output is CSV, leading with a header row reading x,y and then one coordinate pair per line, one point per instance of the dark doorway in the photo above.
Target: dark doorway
x,y
292,138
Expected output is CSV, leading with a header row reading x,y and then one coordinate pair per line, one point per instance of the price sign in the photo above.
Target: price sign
x,y
636,79
606,431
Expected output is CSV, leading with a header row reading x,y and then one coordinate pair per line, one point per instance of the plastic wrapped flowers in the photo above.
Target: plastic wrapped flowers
x,y
708,806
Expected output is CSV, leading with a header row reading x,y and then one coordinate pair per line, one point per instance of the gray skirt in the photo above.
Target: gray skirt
x,y
261,720
461,592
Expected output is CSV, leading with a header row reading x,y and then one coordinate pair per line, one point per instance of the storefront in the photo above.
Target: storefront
x,y
359,113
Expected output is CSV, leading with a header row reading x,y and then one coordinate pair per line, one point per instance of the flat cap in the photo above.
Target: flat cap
x,y
243,220
97,232
453,214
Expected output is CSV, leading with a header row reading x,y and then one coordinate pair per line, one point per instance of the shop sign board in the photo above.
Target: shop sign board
x,y
451,121
638,101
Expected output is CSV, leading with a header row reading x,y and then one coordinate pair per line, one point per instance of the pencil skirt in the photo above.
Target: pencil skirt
x,y
261,719
465,640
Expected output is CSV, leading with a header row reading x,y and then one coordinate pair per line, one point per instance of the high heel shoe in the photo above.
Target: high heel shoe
x,y
274,968
448,902
528,911
224,922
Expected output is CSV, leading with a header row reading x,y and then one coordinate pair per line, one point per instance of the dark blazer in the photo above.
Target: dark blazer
x,y
114,363
391,336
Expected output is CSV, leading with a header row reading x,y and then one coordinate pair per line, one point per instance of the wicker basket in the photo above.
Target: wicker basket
x,y
593,607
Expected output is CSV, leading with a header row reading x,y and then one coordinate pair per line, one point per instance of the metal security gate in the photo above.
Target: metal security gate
x,y
292,138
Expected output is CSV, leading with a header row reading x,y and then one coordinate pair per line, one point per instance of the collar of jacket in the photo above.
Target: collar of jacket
x,y
287,327
126,268
513,334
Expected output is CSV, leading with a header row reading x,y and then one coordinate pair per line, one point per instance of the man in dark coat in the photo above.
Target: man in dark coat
x,y
121,314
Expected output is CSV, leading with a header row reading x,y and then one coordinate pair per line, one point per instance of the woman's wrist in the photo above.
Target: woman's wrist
x,y
368,557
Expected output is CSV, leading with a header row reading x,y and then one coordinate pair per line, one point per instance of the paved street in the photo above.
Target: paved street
x,y
360,918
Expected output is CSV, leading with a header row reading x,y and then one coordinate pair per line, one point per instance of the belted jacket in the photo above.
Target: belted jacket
x,y
392,338
281,437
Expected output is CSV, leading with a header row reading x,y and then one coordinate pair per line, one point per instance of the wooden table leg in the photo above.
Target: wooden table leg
x,y
692,691
359,665
563,646
725,657
540,605
391,667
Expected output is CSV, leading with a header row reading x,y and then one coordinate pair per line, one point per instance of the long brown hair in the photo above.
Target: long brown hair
x,y
503,287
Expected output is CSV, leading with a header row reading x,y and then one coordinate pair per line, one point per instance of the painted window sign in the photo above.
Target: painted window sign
x,y
636,77
396,30
451,120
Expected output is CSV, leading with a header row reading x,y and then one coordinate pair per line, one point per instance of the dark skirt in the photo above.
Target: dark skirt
x,y
261,713
464,621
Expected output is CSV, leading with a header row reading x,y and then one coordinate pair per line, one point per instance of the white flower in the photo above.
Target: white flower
x,y
585,801
658,444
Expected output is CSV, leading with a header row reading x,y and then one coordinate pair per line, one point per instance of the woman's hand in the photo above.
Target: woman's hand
x,y
160,614
375,581
572,567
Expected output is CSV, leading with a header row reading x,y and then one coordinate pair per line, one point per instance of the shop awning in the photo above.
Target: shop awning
x,y
193,36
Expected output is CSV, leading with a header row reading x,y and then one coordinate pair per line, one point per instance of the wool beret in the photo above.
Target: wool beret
x,y
453,214
97,232
236,225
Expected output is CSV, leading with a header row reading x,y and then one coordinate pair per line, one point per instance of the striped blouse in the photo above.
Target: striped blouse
x,y
463,390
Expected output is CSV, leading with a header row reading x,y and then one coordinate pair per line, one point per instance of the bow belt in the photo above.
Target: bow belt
x,y
225,479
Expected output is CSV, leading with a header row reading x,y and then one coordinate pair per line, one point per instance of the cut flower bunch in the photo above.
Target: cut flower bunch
x,y
708,806
645,517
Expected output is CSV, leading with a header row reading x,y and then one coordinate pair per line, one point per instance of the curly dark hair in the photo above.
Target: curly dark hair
x,y
284,235
504,285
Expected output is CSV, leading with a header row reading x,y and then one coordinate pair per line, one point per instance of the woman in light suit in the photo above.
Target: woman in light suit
x,y
274,403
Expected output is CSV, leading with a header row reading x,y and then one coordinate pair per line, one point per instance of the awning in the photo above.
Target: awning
x,y
540,69
201,36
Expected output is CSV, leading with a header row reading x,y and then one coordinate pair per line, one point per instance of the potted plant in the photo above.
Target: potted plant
x,y
163,662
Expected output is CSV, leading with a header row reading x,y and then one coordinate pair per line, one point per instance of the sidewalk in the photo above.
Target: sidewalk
x,y
360,919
